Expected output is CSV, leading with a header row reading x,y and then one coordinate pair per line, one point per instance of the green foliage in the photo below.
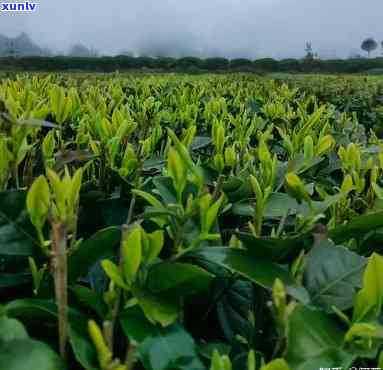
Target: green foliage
x,y
191,222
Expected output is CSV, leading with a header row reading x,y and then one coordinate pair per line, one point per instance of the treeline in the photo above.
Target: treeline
x,y
189,64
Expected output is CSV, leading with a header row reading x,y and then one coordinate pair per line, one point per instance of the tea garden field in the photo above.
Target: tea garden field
x,y
175,222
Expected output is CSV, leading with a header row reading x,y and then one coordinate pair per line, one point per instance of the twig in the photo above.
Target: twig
x,y
60,270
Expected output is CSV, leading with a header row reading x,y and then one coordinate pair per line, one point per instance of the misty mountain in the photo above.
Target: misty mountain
x,y
20,46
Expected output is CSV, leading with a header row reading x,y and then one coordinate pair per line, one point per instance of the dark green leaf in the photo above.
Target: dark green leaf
x,y
158,308
83,349
89,299
135,325
233,310
154,164
314,340
38,310
164,186
333,275
10,280
92,250
28,354
274,249
357,227
168,348
281,204
11,329
236,189
177,278
16,231
260,271
112,211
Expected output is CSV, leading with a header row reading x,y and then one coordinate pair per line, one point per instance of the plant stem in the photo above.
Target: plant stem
x,y
17,178
131,358
258,217
60,273
107,331
124,232
218,188
131,209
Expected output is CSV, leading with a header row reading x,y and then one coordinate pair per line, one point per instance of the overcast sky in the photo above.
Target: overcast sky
x,y
234,28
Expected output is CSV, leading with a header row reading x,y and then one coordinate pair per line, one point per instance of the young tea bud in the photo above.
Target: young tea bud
x,y
295,187
38,204
230,157
308,152
49,144
347,184
219,162
104,354
324,144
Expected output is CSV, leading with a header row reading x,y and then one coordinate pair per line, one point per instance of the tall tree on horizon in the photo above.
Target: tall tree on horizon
x,y
369,45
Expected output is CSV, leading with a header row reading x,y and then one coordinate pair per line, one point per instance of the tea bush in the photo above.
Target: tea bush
x,y
189,222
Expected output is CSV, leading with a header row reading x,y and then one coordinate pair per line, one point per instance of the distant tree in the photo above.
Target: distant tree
x,y
94,53
80,50
11,49
369,45
240,63
127,53
188,62
215,63
309,52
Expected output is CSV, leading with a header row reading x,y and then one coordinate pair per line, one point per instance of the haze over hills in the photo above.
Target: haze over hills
x,y
22,45
250,29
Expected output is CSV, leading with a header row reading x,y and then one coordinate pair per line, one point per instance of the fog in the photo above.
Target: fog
x,y
230,28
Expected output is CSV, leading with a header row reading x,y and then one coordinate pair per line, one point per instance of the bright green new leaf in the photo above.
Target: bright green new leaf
x,y
114,273
49,144
38,202
212,213
219,362
369,300
132,253
177,171
155,244
74,192
59,192
278,364
347,184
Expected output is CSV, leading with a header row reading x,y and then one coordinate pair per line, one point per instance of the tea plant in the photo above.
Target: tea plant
x,y
188,222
